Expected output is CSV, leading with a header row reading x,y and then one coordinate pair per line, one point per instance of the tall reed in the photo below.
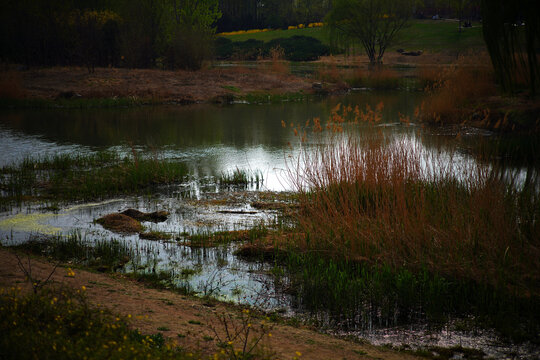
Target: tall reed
x,y
385,201
454,88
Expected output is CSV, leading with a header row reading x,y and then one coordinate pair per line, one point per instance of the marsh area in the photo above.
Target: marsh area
x,y
213,142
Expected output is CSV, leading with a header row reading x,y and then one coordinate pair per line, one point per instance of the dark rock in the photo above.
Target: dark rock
x,y
156,216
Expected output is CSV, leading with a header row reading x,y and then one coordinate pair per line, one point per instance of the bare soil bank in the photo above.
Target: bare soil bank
x,y
194,318
167,86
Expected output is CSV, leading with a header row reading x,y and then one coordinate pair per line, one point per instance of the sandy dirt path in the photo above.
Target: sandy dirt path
x,y
194,318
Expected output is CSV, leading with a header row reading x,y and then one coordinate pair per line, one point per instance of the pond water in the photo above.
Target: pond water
x,y
218,139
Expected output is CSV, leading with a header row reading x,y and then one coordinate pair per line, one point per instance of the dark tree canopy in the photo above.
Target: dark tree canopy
x,y
511,30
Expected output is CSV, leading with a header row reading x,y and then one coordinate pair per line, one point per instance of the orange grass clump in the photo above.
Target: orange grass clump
x,y
384,201
279,65
457,87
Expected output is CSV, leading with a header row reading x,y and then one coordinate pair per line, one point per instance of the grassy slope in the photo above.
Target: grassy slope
x,y
425,35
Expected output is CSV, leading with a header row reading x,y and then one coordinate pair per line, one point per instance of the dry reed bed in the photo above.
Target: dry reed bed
x,y
386,202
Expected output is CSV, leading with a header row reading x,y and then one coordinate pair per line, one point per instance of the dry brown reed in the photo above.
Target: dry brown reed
x,y
458,86
378,78
385,201
329,72
428,75
278,63
11,85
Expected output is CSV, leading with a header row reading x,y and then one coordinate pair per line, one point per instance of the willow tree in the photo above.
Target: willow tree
x,y
373,24
511,31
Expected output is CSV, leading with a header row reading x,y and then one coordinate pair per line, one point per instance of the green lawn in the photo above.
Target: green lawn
x,y
427,35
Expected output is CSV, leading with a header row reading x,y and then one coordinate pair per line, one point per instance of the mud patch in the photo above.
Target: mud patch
x,y
120,223
156,216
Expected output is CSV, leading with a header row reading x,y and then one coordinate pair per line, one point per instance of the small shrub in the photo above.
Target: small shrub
x,y
61,324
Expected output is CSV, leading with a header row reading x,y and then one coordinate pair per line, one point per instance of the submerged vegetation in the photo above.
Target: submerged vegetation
x,y
86,177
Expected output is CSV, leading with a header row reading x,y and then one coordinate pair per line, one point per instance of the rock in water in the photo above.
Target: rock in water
x,y
156,216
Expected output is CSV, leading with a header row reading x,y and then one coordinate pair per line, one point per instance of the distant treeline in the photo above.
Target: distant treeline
x,y
142,33
152,33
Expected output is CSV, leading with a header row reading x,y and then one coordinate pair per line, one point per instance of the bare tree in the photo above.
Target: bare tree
x,y
371,23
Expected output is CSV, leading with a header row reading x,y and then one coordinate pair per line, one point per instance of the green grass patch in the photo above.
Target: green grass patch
x,y
427,35
355,294
86,177
267,98
101,255
437,35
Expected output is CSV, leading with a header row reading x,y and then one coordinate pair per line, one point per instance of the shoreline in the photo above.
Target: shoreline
x,y
153,309
75,88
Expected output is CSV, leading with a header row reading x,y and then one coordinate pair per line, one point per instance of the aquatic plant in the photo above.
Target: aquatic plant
x,y
104,255
86,177
210,239
241,177
384,201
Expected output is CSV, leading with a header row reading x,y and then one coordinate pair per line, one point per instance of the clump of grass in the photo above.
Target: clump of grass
x,y
155,235
381,79
456,88
277,57
240,177
86,177
428,76
386,201
371,202
330,72
61,324
271,98
100,254
211,239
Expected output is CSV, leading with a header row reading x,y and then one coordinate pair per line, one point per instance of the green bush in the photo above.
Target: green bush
x,y
300,48
296,48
